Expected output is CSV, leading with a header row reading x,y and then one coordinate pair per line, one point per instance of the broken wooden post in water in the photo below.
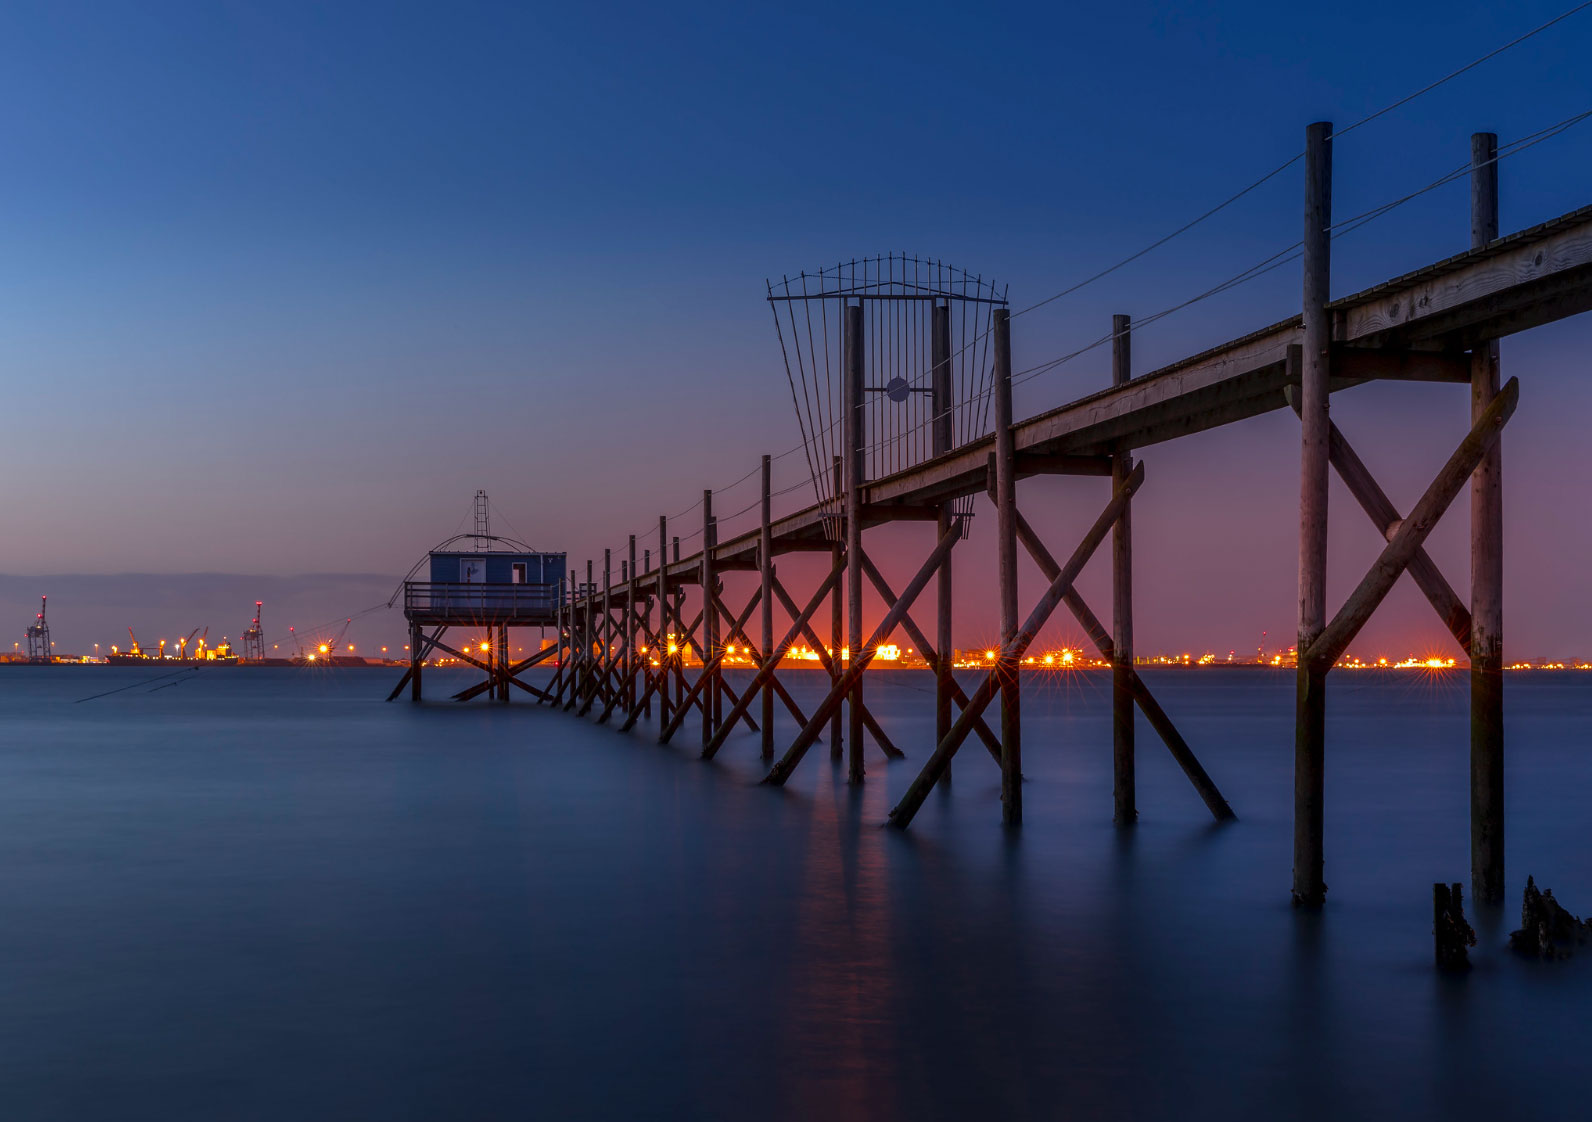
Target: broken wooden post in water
x,y
1547,930
1452,936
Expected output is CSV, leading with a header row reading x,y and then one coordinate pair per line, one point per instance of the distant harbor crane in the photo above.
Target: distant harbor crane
x,y
254,638
39,635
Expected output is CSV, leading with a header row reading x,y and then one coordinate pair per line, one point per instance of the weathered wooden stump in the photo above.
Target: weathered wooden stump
x,y
1546,929
1453,935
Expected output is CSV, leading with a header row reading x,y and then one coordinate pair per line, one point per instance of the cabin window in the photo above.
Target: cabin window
x,y
472,570
517,572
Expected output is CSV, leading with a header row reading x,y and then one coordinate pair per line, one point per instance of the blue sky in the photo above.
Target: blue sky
x,y
281,284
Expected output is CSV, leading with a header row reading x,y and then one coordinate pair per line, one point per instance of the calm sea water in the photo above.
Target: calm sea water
x,y
266,894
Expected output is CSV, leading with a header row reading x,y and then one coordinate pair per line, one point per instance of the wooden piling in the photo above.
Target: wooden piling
x,y
944,434
588,623
416,661
1009,664
837,557
1124,781
1309,887
631,587
765,565
710,623
679,612
652,643
853,430
665,699
503,663
1486,574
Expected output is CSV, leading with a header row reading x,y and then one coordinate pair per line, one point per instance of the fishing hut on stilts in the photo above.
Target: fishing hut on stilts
x,y
487,583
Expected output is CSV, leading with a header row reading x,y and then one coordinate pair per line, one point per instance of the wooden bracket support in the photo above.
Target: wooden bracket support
x,y
1212,796
1385,516
1412,532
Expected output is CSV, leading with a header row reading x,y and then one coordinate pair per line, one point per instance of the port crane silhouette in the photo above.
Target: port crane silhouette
x,y
38,634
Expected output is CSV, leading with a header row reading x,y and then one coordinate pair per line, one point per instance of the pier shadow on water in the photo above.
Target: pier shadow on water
x,y
265,894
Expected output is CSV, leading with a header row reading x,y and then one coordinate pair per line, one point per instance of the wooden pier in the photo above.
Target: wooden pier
x,y
623,646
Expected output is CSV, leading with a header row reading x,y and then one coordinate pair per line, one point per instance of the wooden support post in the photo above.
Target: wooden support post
x,y
602,638
1007,666
557,684
1486,574
607,635
625,632
572,677
710,623
576,667
920,787
853,431
1124,783
944,434
679,612
652,642
1310,714
765,565
416,661
662,645
503,663
631,587
837,558
588,622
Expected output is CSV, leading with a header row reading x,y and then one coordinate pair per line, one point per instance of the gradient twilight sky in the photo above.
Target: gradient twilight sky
x,y
282,284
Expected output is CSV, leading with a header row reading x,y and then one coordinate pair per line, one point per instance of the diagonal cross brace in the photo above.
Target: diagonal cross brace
x,y
1374,501
1012,651
771,663
425,648
518,668
1412,532
679,717
1148,705
958,694
824,660
757,658
860,660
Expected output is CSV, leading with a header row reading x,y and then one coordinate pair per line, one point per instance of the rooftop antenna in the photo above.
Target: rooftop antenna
x,y
39,635
483,520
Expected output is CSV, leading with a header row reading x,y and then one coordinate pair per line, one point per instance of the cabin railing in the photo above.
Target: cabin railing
x,y
531,603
